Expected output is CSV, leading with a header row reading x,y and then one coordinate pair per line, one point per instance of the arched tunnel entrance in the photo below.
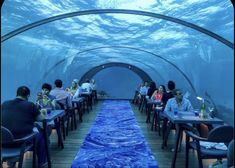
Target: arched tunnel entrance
x,y
121,76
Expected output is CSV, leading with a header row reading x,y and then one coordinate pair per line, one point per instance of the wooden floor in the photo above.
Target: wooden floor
x,y
63,158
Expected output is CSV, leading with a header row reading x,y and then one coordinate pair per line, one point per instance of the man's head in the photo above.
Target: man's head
x,y
23,92
171,85
178,95
46,88
58,83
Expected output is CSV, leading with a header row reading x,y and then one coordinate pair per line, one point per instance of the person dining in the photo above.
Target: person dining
x,y
73,87
157,97
170,92
86,87
19,115
86,91
44,98
61,95
151,89
158,94
177,103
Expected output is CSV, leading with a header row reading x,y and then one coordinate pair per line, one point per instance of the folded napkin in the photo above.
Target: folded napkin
x,y
214,145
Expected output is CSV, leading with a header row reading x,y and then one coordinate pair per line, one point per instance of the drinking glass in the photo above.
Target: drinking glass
x,y
196,112
175,112
48,110
211,110
44,111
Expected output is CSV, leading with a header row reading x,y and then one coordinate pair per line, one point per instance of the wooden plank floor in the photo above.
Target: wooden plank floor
x,y
63,158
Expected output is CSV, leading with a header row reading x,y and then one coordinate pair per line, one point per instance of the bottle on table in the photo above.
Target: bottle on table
x,y
203,109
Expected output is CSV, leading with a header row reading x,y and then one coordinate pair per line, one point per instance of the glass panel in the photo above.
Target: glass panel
x,y
214,15
190,58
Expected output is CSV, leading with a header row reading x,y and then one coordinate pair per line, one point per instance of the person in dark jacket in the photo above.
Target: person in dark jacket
x,y
152,88
169,94
19,115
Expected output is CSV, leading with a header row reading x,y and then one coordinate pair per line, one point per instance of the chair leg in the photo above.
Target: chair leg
x,y
80,112
159,123
21,156
180,142
60,139
200,165
34,153
74,120
166,134
140,103
67,126
71,121
63,127
187,152
153,121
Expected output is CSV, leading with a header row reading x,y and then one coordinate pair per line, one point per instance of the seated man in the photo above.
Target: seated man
x,y
143,89
25,114
179,103
61,95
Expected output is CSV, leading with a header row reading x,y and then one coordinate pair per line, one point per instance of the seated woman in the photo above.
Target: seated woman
x,y
158,94
72,90
44,99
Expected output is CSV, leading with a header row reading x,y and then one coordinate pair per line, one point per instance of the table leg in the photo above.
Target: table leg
x,y
58,130
80,109
153,121
47,143
166,132
158,121
176,146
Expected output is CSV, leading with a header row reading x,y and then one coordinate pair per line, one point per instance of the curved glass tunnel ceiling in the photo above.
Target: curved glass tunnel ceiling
x,y
213,15
206,62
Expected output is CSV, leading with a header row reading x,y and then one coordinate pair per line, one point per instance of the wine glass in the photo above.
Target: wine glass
x,y
211,110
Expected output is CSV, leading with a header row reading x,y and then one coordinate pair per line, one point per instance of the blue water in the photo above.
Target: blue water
x,y
115,140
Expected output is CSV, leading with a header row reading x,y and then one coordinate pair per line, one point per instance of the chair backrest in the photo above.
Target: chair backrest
x,y
62,106
63,103
230,154
222,133
7,136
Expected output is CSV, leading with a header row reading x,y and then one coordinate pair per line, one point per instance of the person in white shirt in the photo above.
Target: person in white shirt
x,y
61,95
178,103
143,89
86,87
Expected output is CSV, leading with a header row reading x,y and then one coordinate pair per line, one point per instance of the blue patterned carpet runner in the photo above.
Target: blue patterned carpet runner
x,y
115,140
